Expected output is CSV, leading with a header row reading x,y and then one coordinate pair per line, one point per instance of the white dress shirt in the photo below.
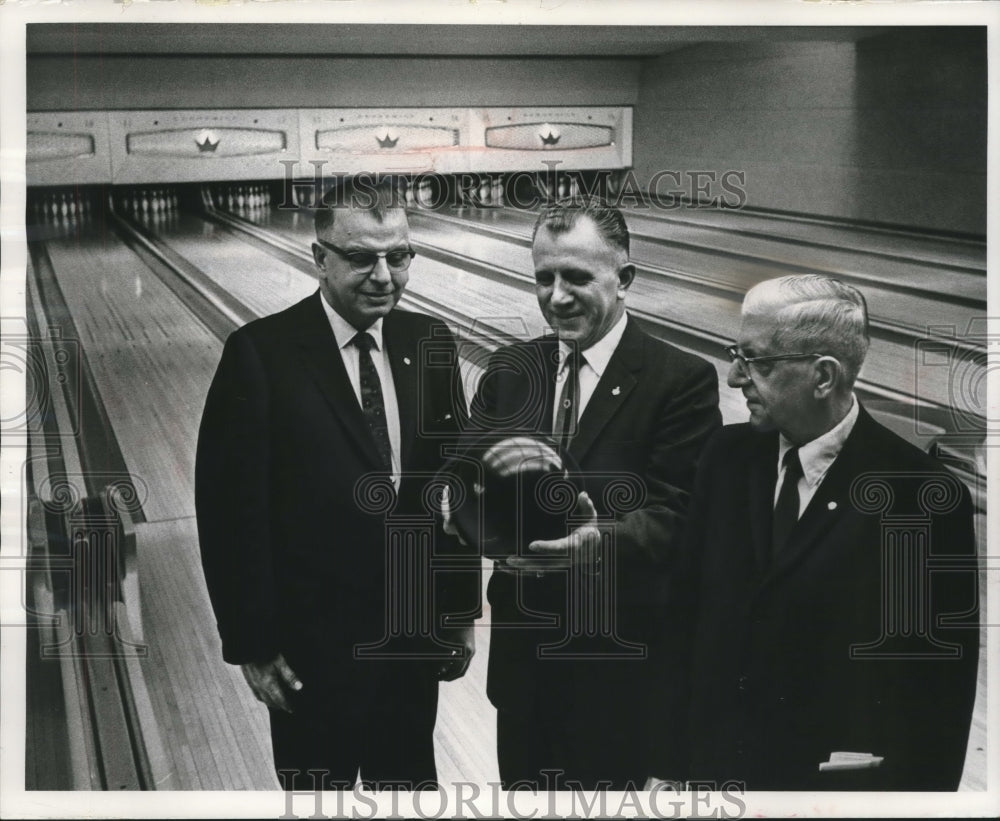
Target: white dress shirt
x,y
344,333
594,362
816,456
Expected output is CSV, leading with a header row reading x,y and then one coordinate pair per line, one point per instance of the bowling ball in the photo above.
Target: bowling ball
x,y
505,493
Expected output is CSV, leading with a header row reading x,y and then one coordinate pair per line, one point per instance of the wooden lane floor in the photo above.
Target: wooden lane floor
x,y
893,361
265,285
867,270
898,291
942,250
901,245
152,361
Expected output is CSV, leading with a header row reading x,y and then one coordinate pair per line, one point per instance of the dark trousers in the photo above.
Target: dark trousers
x,y
385,730
555,749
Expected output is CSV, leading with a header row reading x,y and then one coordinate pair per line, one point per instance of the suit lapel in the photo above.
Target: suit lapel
x,y
323,361
617,382
536,360
832,498
762,476
402,351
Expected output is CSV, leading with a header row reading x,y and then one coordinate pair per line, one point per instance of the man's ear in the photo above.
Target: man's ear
x,y
319,256
829,373
626,274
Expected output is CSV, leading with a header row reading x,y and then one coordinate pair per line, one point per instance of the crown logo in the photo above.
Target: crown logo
x,y
206,141
386,139
549,135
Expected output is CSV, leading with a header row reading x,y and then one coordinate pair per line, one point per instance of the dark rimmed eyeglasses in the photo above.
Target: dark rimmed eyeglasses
x,y
733,352
364,262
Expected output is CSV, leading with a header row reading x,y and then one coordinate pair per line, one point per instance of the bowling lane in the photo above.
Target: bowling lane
x,y
264,284
892,363
968,256
152,360
943,251
731,263
872,272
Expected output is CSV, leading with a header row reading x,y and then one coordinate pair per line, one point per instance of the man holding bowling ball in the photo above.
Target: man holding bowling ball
x,y
581,625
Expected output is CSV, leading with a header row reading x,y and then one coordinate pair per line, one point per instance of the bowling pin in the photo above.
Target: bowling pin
x,y
425,194
498,189
484,191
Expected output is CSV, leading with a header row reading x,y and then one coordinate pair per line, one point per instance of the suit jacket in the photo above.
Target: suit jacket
x,y
637,443
293,538
842,644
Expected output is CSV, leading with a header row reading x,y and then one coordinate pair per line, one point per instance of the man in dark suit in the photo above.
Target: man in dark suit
x,y
836,634
576,653
321,429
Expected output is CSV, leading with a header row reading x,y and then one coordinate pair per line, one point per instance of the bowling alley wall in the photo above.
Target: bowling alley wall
x,y
890,128
885,126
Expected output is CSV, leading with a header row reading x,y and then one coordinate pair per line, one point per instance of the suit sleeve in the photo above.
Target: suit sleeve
x,y
232,504
923,706
686,419
483,405
459,588
671,709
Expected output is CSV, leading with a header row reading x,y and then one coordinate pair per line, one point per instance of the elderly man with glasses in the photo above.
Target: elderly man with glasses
x,y
835,631
321,428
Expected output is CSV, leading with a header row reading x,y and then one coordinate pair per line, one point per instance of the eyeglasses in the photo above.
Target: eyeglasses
x,y
364,262
733,351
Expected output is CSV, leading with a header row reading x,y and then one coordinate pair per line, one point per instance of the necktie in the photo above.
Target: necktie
x,y
786,511
372,403
566,410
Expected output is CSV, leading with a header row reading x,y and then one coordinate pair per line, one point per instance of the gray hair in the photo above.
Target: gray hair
x,y
815,314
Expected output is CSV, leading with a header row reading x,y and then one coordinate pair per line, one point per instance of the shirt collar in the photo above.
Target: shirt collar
x,y
599,354
344,331
817,456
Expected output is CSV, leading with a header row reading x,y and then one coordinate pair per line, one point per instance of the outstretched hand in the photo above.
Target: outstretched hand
x,y
579,548
271,681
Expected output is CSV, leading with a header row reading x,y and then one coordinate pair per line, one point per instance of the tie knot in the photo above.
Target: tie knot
x,y
364,341
572,360
792,463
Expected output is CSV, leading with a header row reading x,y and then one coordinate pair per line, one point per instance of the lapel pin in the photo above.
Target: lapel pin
x,y
406,360
831,505
616,390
